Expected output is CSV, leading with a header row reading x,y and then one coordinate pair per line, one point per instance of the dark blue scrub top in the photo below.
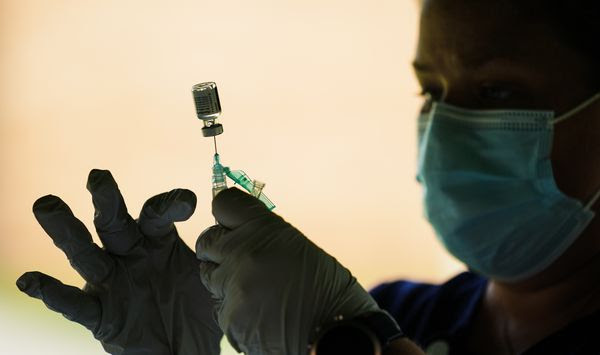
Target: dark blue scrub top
x,y
437,317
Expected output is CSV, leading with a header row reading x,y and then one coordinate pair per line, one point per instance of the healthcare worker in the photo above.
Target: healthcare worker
x,y
509,160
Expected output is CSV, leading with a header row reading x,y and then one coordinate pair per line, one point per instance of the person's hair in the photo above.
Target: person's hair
x,y
576,22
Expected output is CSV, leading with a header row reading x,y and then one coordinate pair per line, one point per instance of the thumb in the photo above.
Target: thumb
x,y
233,207
73,303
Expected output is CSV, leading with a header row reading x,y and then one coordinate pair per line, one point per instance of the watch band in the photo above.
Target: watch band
x,y
371,333
383,325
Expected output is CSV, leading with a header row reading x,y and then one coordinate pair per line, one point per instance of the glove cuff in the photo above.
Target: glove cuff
x,y
371,332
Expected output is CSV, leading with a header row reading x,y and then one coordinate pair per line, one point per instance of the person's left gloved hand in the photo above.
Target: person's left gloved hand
x,y
143,294
275,287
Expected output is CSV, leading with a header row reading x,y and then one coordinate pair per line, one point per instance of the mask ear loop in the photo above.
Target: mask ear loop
x,y
577,109
593,200
571,113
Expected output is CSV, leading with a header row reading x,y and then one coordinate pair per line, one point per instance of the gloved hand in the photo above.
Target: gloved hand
x,y
143,293
275,286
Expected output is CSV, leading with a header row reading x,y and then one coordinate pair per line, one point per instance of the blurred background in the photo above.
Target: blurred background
x,y
318,101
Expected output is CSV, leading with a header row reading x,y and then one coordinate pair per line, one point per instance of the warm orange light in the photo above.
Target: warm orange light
x,y
317,100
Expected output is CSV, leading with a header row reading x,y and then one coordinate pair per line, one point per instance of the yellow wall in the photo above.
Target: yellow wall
x,y
318,101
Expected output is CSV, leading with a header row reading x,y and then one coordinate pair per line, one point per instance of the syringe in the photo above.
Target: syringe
x,y
219,182
208,109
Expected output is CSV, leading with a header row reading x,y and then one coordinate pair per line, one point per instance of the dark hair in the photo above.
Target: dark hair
x,y
577,22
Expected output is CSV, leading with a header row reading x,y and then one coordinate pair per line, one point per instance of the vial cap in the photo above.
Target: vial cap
x,y
214,130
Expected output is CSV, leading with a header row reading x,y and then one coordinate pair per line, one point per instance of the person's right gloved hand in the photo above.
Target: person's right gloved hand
x,y
275,287
143,293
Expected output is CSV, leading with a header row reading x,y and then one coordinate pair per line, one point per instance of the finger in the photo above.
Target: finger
x,y
73,303
161,211
233,207
115,227
218,244
72,237
209,245
212,279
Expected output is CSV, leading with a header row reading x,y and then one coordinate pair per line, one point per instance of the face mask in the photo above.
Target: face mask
x,y
489,190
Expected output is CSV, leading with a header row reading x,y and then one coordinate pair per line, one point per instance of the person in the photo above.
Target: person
x,y
509,143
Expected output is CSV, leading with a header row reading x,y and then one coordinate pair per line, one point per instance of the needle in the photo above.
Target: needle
x,y
215,139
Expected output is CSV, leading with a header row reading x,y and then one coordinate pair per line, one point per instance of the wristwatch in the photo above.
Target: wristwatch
x,y
367,334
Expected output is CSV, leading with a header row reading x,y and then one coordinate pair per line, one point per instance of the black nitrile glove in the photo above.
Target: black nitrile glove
x,y
275,286
143,293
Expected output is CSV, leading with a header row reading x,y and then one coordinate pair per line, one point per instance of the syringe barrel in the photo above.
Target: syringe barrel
x,y
216,190
219,180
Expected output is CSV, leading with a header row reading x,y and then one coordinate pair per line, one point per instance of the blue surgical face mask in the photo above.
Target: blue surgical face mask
x,y
489,191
